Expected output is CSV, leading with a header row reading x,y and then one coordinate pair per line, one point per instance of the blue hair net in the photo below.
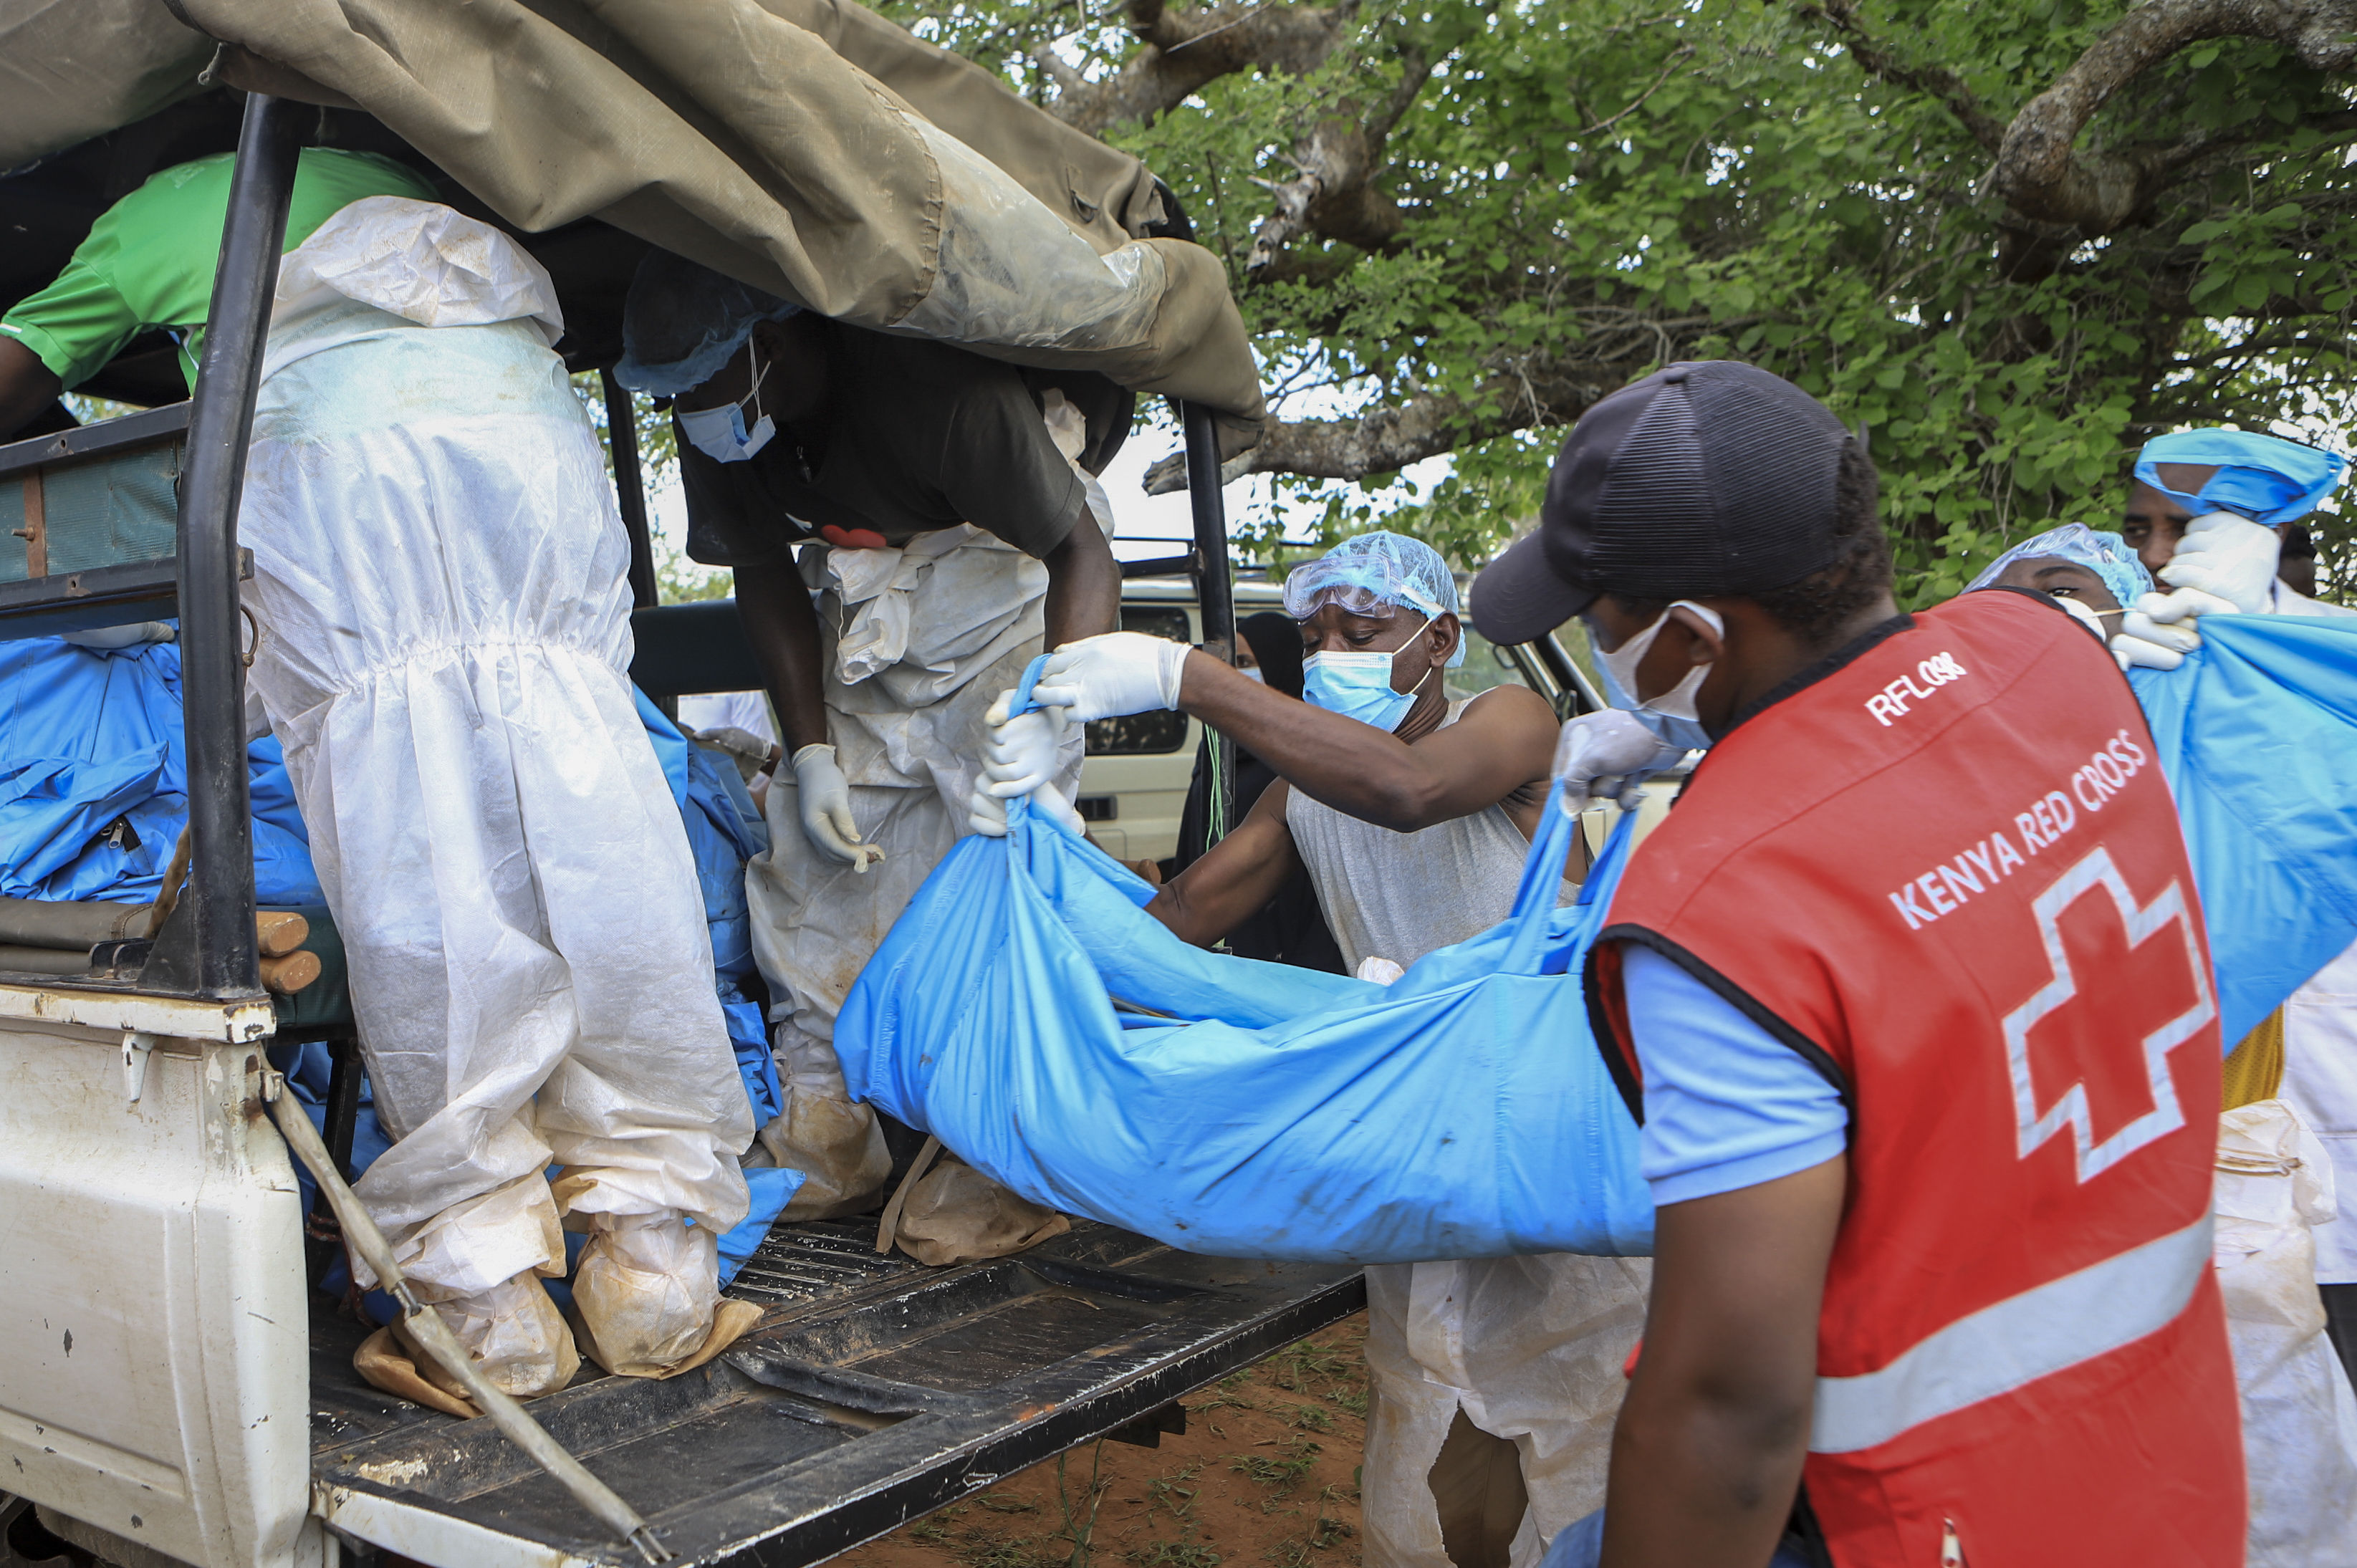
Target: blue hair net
x,y
2106,554
2263,478
1375,574
682,322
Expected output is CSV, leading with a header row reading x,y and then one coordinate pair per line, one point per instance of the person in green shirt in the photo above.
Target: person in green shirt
x,y
148,264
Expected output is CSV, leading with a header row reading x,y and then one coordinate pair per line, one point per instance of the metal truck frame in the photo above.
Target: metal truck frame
x,y
172,1389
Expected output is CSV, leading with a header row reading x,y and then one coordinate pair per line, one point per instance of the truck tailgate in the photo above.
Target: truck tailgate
x,y
875,1390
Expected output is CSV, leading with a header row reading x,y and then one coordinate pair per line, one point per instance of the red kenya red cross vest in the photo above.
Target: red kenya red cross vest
x,y
1949,872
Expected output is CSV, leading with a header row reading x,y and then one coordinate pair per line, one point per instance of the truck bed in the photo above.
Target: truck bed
x,y
875,1390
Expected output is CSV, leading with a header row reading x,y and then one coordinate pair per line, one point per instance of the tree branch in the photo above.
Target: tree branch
x,y
1521,393
1933,81
1335,194
1682,52
1181,52
2037,169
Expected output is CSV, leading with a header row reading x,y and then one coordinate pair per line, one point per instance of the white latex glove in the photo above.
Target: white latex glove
x,y
1608,755
1023,751
2225,557
749,751
985,813
1118,673
826,809
2145,642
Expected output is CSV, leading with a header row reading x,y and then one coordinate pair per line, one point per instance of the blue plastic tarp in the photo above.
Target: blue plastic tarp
x,y
2258,733
1462,1111
93,779
724,829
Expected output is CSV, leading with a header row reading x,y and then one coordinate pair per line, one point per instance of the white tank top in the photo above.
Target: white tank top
x,y
1400,896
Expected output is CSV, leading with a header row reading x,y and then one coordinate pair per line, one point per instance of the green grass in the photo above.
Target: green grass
x,y
1175,1554
1282,1471
1172,1495
982,1549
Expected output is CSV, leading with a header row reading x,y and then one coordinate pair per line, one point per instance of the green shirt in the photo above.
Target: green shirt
x,y
150,259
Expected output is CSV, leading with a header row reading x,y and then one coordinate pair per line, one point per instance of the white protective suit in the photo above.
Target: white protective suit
x,y
1532,1350
439,583
2300,1416
917,642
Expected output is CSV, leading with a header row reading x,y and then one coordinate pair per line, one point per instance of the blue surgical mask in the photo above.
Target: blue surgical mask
x,y
1671,716
1357,686
720,434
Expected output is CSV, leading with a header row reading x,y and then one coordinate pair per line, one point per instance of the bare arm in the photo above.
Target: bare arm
x,y
783,628
1083,584
1504,740
1235,879
1707,1457
27,385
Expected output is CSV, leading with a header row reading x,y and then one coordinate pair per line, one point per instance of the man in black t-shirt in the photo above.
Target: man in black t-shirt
x,y
937,506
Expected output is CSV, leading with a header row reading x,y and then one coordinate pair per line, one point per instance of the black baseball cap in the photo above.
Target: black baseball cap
x,y
1706,478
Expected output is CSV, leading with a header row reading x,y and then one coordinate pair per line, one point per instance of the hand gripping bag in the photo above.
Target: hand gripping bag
x,y
1242,1108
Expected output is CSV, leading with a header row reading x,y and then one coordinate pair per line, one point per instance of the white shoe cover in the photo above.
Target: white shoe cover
x,y
647,1288
516,1336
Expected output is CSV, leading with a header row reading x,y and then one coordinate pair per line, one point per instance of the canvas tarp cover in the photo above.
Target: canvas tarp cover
x,y
57,88
806,146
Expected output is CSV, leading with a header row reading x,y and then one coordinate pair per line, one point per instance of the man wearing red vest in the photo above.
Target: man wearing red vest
x,y
1911,994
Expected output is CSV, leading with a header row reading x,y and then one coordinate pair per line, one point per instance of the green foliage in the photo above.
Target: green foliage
x,y
1591,187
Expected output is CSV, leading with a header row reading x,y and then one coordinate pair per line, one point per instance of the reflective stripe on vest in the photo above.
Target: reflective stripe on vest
x,y
2015,1342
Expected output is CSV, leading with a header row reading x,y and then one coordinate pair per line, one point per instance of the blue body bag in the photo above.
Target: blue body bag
x,y
2258,733
94,778
1242,1109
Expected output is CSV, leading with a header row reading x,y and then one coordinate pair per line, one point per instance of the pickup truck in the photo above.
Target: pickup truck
x,y
173,1387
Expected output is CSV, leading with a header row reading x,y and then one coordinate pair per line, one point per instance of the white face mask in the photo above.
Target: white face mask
x,y
1254,675
720,434
1671,716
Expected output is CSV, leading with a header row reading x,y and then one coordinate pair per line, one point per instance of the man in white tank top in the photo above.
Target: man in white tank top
x,y
1496,1380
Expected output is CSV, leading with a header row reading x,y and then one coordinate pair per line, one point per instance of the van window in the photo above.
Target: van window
x,y
1484,666
1158,732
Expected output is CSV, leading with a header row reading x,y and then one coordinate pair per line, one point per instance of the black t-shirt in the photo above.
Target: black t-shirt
x,y
919,436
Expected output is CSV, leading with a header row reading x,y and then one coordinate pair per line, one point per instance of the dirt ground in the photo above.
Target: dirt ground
x,y
1267,1473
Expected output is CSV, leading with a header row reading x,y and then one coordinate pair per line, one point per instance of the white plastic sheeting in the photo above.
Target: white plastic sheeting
x,y
1532,1350
918,642
438,577
2299,1417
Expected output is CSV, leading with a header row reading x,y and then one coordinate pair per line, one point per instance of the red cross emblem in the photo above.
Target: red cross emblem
x,y
2150,922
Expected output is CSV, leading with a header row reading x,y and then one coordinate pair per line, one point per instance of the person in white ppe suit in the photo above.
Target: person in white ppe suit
x,y
439,587
947,516
1495,1381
